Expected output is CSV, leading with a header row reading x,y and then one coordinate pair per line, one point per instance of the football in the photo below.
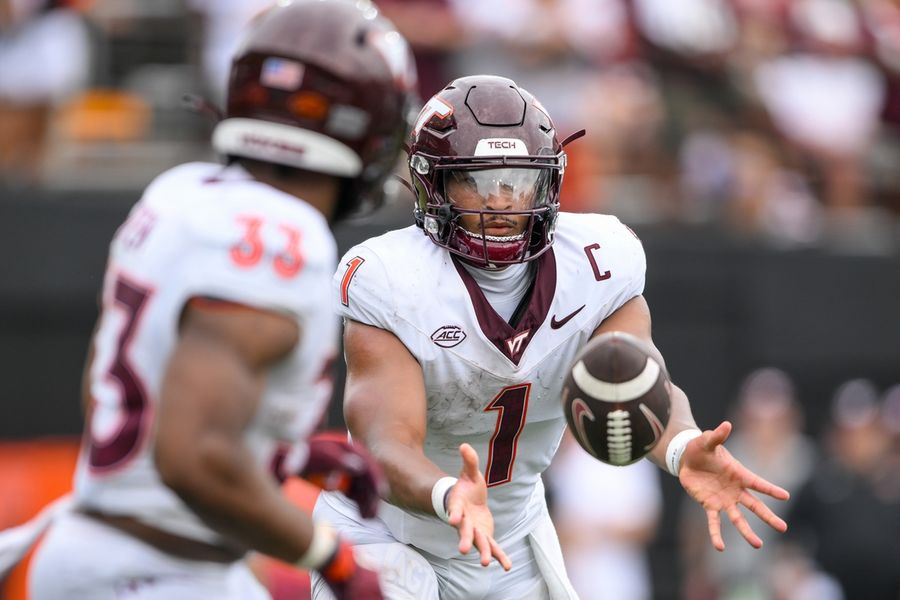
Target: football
x,y
616,398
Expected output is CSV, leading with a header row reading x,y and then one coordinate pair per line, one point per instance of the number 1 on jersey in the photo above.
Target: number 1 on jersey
x,y
512,405
352,265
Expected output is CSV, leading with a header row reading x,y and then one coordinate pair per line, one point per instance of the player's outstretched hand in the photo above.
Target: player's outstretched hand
x,y
338,464
715,479
469,513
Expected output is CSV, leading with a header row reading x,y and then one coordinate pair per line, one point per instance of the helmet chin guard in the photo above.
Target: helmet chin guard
x,y
492,251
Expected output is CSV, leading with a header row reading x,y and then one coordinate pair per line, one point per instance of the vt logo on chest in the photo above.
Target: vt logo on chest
x,y
514,344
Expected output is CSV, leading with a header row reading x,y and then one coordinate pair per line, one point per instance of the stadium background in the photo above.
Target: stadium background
x,y
752,146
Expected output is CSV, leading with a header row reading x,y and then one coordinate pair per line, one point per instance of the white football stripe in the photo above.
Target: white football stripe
x,y
616,392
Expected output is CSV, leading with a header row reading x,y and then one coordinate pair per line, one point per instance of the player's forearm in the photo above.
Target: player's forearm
x,y
220,481
209,395
385,411
679,419
410,474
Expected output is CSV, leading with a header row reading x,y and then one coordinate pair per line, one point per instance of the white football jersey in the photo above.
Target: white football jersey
x,y
488,383
203,231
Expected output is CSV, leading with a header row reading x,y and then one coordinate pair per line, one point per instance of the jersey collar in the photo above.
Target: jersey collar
x,y
512,341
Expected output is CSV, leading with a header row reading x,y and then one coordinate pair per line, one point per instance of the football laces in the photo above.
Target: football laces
x,y
618,427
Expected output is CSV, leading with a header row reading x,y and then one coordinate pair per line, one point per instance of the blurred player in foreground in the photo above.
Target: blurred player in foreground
x,y
210,365
458,333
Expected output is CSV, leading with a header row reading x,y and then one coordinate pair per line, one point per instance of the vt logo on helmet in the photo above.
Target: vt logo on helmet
x,y
486,166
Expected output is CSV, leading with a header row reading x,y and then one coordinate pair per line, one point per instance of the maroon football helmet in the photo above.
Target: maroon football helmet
x,y
324,86
484,152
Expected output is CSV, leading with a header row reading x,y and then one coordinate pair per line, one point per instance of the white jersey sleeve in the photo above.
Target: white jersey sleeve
x,y
601,264
363,289
265,258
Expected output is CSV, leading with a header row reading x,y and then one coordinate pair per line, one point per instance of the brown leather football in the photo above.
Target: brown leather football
x,y
616,398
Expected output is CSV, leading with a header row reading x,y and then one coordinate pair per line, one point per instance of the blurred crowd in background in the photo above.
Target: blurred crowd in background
x,y
777,119
774,120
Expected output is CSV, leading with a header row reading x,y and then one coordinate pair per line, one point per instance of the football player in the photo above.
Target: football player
x,y
458,333
210,364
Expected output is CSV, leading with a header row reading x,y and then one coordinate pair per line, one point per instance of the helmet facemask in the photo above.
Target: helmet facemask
x,y
492,213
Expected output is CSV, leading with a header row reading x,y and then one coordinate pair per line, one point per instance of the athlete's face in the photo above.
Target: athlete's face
x,y
507,189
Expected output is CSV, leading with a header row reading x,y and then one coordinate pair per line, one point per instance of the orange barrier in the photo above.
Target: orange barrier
x,y
32,474
105,115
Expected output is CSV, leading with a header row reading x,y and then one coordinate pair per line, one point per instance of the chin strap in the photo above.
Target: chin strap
x,y
201,105
405,183
578,134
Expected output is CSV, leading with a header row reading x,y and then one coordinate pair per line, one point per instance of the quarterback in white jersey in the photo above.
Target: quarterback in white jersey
x,y
457,344
210,366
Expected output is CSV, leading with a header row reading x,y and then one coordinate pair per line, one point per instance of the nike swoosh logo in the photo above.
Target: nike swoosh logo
x,y
557,324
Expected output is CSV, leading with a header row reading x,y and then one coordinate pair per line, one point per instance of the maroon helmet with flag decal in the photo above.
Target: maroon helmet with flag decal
x,y
324,86
486,166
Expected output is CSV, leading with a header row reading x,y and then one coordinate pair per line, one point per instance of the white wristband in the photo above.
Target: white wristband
x,y
438,494
676,449
321,547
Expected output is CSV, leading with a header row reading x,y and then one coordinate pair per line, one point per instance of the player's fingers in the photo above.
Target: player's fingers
x,y
715,529
466,533
763,486
766,515
454,510
741,524
500,555
484,547
717,436
470,462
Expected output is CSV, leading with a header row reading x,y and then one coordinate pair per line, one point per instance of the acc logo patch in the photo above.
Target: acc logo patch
x,y
448,336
